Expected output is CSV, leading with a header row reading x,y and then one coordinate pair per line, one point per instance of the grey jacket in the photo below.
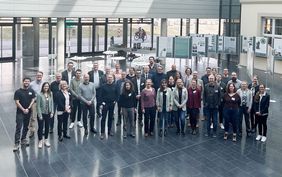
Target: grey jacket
x,y
249,95
169,99
41,104
176,99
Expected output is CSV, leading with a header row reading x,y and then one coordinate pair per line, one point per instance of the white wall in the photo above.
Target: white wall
x,y
251,14
110,8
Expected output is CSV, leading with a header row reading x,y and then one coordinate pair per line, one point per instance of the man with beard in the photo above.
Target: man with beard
x,y
24,99
235,81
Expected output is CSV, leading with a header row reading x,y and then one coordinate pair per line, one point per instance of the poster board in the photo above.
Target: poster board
x,y
261,46
246,42
182,47
230,45
199,46
220,44
164,47
212,43
277,48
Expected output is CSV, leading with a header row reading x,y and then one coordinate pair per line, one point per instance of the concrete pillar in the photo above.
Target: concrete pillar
x,y
124,32
36,40
60,44
187,26
164,27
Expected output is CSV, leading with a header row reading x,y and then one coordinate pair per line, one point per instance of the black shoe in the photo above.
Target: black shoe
x,y
161,133
24,143
94,130
132,135
31,134
67,136
61,138
86,132
165,133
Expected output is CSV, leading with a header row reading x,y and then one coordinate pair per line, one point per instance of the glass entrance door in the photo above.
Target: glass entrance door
x,y
6,42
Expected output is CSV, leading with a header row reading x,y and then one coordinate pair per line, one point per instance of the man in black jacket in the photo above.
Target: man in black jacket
x,y
96,76
139,85
173,72
69,73
211,102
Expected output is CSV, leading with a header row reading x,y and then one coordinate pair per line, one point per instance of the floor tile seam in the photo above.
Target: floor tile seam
x,y
151,158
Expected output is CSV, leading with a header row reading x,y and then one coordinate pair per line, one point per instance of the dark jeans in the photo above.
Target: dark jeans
x,y
128,116
45,122
230,116
163,119
179,120
193,114
85,111
150,114
76,107
220,113
63,124
171,118
22,122
211,117
119,114
261,121
252,119
98,99
108,109
139,112
243,111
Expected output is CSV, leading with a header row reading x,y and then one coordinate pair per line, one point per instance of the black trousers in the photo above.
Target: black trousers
x,y
261,121
63,124
220,113
22,122
193,114
243,112
45,122
252,119
85,111
52,121
76,107
98,99
119,114
150,114
108,109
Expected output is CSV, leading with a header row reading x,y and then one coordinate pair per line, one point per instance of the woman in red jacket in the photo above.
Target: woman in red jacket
x,y
194,104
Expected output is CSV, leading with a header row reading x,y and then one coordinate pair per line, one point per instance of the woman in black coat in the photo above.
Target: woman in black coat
x,y
261,105
63,110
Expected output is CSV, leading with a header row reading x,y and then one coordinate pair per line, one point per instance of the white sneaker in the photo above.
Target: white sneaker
x,y
258,137
79,124
222,126
40,144
71,125
47,143
211,126
263,138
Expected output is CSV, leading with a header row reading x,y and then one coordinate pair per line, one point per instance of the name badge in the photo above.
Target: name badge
x,y
142,83
194,91
233,99
221,88
216,91
129,94
29,93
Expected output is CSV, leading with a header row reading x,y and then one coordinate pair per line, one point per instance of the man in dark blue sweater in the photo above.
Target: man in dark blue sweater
x,y
156,78
109,96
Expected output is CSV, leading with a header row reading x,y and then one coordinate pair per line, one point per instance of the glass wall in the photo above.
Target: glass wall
x,y
86,38
6,41
100,38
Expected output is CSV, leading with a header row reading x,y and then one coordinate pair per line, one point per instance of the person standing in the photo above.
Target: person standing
x,y
180,97
131,74
173,72
245,107
254,87
76,106
187,77
225,76
164,104
69,73
127,101
235,80
146,75
45,111
109,96
231,102
36,86
24,98
194,105
211,100
148,106
62,99
87,95
152,65
261,102
119,85
96,76
117,71
55,87
157,77
222,86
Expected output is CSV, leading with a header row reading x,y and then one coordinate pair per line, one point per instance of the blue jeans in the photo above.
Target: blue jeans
x,y
179,120
211,117
171,118
230,116
163,119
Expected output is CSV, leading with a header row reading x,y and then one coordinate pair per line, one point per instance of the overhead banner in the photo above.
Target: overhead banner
x,y
182,47
212,43
199,46
277,48
165,47
220,44
246,42
261,46
230,45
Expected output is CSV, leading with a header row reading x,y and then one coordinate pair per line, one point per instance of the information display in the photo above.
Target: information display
x,y
261,46
165,47
230,45
277,47
182,47
212,43
220,44
246,42
199,46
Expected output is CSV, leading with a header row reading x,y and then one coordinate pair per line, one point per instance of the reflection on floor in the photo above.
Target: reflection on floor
x,y
140,157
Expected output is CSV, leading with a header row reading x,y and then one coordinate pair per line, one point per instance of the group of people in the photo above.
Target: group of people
x,y
146,92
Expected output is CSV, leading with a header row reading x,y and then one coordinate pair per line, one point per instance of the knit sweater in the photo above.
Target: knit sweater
x,y
87,92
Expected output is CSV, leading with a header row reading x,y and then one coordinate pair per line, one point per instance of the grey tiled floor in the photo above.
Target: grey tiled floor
x,y
171,156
